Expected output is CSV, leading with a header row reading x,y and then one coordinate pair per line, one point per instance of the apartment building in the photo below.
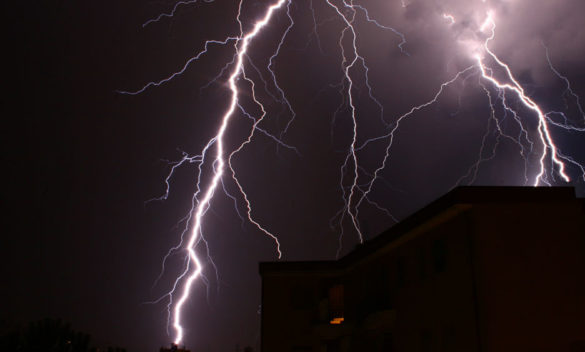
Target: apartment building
x,y
480,269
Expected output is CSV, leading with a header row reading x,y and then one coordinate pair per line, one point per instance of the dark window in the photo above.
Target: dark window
x,y
336,301
387,343
577,346
422,263
401,272
333,346
448,340
301,298
376,293
378,287
302,349
425,341
439,251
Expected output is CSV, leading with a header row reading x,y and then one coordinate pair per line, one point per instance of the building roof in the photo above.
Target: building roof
x,y
455,200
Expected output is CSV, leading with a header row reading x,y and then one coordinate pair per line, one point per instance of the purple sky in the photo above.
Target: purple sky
x,y
81,159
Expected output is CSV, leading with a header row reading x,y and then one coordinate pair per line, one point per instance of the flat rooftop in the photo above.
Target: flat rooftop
x,y
465,195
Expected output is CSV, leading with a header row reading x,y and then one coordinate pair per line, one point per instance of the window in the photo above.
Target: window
x,y
448,340
422,262
333,346
336,304
439,252
301,297
375,294
401,272
577,346
378,286
387,342
425,341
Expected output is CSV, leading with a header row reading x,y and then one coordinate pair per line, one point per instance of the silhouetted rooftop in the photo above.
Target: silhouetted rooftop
x,y
460,196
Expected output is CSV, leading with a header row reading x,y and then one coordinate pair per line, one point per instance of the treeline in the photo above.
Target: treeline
x,y
49,335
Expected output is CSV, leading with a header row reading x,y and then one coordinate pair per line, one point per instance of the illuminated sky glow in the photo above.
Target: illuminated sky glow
x,y
161,149
473,28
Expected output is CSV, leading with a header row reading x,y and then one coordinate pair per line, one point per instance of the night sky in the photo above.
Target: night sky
x,y
81,242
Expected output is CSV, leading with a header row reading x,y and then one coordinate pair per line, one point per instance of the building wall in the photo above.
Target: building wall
x,y
415,296
290,311
484,276
428,288
530,262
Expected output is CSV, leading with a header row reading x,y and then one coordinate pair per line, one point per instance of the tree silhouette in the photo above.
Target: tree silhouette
x,y
47,335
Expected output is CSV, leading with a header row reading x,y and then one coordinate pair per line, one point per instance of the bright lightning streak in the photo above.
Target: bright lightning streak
x,y
568,89
351,156
183,69
351,208
449,18
356,182
543,129
219,162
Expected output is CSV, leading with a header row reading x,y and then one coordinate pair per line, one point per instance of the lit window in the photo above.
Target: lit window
x,y
336,321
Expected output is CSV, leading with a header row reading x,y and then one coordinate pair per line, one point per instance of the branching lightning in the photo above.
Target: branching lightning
x,y
506,99
543,130
203,204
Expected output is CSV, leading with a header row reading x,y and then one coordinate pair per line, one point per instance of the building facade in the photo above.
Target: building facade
x,y
480,269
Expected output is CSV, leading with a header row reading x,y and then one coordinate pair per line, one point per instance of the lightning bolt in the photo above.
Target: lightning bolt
x,y
347,13
449,18
193,268
356,181
243,44
171,13
543,128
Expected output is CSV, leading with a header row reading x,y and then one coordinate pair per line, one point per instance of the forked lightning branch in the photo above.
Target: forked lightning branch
x,y
356,185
